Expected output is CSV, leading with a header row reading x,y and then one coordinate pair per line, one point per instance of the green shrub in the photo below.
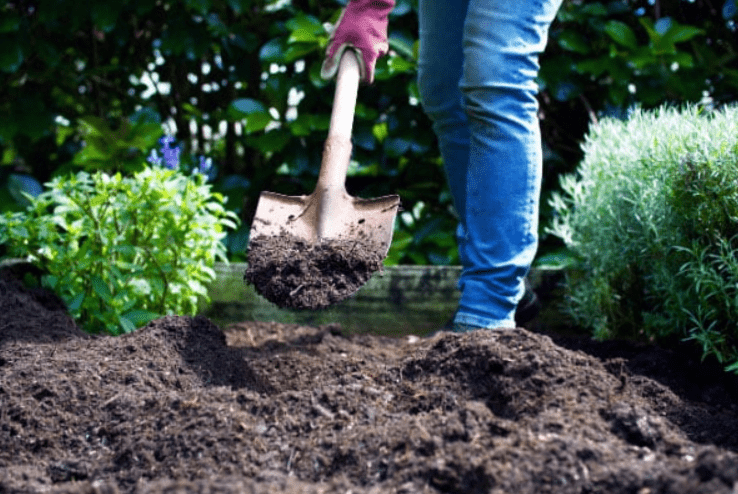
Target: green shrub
x,y
121,250
652,217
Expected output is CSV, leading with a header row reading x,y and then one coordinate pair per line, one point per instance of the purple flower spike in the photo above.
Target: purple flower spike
x,y
154,158
166,141
171,154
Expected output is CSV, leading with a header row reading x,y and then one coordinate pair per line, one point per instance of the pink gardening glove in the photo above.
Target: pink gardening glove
x,y
363,26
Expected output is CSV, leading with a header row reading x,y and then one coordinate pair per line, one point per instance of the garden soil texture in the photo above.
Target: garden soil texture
x,y
183,406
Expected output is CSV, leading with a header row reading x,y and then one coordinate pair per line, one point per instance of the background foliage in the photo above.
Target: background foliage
x,y
652,217
88,85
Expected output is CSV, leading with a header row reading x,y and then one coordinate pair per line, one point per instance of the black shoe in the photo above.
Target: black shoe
x,y
528,307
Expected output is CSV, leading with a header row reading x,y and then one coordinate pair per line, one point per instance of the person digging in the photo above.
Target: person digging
x,y
477,65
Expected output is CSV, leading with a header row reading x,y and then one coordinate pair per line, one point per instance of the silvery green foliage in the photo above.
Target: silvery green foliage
x,y
121,250
652,216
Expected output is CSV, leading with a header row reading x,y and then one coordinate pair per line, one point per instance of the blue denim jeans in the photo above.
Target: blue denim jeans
x,y
477,67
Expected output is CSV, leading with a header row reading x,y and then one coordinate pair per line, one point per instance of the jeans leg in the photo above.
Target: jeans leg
x,y
501,43
440,67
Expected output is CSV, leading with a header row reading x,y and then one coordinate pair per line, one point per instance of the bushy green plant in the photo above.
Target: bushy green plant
x,y
122,251
652,216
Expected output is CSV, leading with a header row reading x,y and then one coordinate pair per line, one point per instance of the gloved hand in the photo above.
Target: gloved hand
x,y
363,26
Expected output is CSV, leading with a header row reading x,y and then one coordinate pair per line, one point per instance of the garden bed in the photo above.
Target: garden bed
x,y
181,406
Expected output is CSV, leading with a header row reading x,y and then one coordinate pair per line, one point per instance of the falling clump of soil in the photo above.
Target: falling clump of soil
x,y
180,406
293,273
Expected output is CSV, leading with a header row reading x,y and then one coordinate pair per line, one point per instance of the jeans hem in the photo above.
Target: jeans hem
x,y
473,321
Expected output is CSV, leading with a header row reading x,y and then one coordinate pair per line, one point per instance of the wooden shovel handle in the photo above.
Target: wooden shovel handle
x,y
344,100
337,152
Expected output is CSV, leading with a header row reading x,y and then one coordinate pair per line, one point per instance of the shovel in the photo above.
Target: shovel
x,y
330,213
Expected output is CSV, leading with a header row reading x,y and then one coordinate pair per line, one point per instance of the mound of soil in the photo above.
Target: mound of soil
x,y
296,274
180,406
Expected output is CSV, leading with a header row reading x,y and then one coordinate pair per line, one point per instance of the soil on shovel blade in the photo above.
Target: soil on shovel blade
x,y
180,406
296,274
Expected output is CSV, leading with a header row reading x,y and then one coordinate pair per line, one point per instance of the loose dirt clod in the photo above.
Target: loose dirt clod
x,y
180,406
296,274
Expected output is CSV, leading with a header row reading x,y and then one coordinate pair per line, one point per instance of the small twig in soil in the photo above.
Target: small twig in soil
x,y
294,292
111,400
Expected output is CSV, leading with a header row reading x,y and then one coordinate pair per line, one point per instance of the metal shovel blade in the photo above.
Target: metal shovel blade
x,y
320,216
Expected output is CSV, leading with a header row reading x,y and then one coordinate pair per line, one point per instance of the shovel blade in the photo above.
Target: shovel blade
x,y
349,218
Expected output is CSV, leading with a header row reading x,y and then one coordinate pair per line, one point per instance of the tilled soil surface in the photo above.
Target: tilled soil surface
x,y
180,406
293,273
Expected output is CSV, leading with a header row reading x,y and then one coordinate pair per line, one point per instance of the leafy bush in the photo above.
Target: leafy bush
x,y
652,217
122,251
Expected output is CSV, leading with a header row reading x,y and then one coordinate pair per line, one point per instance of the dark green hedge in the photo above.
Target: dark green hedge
x,y
72,72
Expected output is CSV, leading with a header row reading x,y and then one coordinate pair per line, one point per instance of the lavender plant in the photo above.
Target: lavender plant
x,y
121,251
652,216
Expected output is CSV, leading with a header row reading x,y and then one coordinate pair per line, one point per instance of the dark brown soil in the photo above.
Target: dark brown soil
x,y
296,274
180,406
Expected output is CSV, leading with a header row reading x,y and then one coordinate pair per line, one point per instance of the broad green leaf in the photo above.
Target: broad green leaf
x,y
272,51
126,324
100,287
302,37
304,28
648,25
621,33
315,78
127,305
402,46
679,33
642,57
63,133
684,60
94,126
298,51
380,131
257,122
270,142
304,22
75,303
141,317
594,66
573,41
302,125
398,65
245,107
